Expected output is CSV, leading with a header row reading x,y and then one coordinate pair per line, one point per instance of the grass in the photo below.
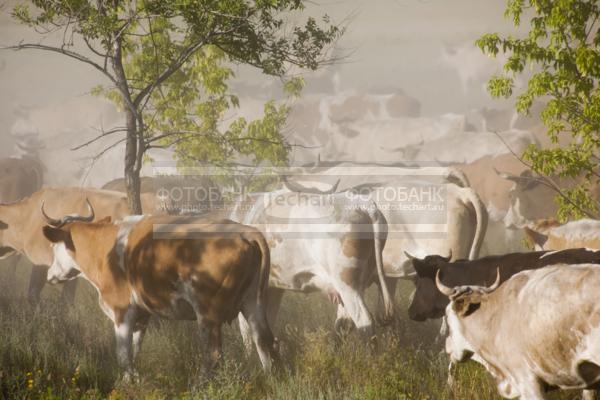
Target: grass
x,y
57,352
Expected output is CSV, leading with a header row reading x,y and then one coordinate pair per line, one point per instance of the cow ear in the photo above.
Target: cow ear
x,y
466,305
56,235
3,225
535,237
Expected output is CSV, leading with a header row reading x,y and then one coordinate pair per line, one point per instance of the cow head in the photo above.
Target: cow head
x,y
58,232
464,301
538,239
530,195
427,301
64,267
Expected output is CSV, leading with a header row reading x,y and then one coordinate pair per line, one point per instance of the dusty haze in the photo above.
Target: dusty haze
x,y
423,49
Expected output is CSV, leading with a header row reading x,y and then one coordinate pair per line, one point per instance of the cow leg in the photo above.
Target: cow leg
x,y
11,265
124,335
343,322
246,335
68,292
37,280
210,341
215,345
355,307
274,296
138,331
450,380
391,284
261,333
588,395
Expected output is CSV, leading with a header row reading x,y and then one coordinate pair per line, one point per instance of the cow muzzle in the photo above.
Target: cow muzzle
x,y
59,278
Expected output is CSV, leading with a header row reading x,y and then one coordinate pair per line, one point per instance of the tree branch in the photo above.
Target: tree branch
x,y
95,139
68,53
185,54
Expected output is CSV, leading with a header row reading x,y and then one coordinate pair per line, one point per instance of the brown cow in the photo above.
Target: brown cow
x,y
21,225
178,267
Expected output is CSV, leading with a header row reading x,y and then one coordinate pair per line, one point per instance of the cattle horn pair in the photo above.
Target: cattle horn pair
x,y
58,223
295,187
446,291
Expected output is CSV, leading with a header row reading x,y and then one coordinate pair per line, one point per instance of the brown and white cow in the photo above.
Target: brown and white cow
x,y
21,225
549,234
321,243
428,302
175,267
538,331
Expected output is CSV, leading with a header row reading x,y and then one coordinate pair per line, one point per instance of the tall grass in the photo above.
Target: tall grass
x,y
53,351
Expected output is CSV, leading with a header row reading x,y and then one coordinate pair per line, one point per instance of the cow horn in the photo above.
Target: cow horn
x,y
445,290
295,187
494,285
50,221
58,223
409,256
449,256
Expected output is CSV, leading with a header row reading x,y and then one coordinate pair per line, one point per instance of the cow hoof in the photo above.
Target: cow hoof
x,y
367,334
129,377
343,326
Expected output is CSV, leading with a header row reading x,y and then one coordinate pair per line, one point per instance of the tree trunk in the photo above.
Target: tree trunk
x,y
133,153
132,170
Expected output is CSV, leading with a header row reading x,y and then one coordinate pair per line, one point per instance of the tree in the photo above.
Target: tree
x,y
159,55
562,49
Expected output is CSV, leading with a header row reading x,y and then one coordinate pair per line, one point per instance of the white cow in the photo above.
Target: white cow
x,y
457,229
539,330
323,243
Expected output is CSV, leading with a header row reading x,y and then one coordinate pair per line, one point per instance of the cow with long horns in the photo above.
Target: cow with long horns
x,y
176,267
538,331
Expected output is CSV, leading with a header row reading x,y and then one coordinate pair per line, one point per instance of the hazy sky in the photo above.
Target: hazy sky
x,y
392,44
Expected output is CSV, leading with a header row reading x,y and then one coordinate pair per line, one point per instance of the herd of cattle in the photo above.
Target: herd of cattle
x,y
530,317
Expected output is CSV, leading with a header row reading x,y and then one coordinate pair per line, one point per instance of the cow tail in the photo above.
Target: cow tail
x,y
265,265
482,222
380,231
458,177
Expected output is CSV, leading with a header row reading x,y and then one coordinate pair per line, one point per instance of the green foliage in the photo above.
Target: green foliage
x,y
167,63
562,48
